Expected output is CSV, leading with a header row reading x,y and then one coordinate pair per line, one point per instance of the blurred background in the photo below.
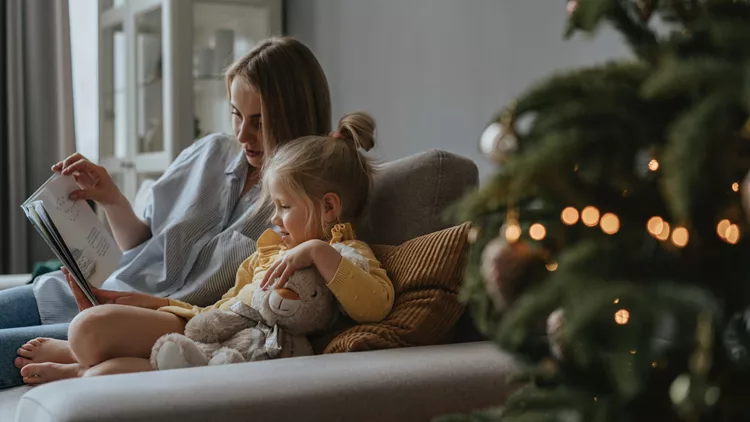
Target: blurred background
x,y
130,83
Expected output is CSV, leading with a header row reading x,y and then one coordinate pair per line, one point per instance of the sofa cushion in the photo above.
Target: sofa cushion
x,y
426,274
409,196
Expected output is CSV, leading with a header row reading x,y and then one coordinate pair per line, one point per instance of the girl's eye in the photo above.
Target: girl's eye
x,y
285,207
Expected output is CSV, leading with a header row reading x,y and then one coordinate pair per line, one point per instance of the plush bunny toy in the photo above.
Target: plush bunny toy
x,y
274,326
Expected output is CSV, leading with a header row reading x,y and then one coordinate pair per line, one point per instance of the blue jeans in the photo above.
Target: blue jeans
x,y
19,323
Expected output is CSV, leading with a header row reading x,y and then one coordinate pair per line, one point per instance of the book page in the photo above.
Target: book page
x,y
37,215
88,242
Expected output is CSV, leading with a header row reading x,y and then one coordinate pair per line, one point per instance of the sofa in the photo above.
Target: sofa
x,y
409,198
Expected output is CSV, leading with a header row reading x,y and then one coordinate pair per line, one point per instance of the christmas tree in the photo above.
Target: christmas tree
x,y
611,249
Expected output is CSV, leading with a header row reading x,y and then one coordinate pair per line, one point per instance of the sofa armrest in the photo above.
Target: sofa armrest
x,y
394,385
12,280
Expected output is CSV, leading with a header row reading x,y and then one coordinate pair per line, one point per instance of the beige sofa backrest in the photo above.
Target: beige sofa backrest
x,y
410,195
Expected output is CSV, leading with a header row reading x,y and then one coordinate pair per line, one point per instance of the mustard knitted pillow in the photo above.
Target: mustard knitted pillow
x,y
426,273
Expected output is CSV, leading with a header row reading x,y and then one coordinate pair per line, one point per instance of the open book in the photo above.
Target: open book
x,y
73,232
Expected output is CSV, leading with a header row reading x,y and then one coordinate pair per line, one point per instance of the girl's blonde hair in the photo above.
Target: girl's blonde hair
x,y
312,166
294,95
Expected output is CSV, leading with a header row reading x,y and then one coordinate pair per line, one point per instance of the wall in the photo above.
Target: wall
x,y
434,72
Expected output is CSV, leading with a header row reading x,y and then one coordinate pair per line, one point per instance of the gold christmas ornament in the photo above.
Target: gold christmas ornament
x,y
502,268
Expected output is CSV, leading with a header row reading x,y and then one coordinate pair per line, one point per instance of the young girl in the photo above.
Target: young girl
x,y
317,185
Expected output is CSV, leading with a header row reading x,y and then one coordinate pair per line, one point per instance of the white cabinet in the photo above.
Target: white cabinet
x,y
160,76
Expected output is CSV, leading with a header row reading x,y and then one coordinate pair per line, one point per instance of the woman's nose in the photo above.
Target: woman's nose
x,y
246,134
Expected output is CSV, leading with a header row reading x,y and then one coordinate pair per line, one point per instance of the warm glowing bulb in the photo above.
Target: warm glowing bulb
x,y
622,316
569,216
590,216
655,225
736,187
610,224
653,165
537,231
721,228
732,234
512,233
680,237
552,266
664,235
617,301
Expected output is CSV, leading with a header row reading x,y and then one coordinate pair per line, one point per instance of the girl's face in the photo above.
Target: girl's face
x,y
246,120
291,216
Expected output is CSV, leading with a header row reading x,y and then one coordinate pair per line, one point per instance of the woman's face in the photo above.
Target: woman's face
x,y
246,120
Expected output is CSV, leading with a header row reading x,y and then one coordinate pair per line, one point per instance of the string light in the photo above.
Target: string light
x,y
617,301
512,233
664,235
537,231
653,364
680,237
590,216
622,317
732,234
569,216
655,225
653,165
736,187
610,224
552,266
721,228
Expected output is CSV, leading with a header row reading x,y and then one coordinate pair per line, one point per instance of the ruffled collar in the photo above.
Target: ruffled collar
x,y
270,241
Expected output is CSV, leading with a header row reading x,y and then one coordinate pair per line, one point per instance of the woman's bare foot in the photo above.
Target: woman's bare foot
x,y
40,373
42,350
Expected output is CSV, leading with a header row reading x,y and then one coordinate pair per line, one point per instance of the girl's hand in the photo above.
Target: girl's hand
x,y
94,181
112,297
297,258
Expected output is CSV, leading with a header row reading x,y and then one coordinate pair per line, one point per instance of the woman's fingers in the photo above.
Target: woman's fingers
x,y
80,194
83,166
80,297
61,164
72,159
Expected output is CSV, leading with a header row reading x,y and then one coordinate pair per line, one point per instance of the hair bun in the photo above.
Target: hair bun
x,y
358,127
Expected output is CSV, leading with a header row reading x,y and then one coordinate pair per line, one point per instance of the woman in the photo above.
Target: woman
x,y
198,229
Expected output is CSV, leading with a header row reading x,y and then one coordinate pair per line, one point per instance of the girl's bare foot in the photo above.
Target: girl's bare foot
x,y
40,373
42,350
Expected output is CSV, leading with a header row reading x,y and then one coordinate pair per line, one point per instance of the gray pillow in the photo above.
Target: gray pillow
x,y
410,195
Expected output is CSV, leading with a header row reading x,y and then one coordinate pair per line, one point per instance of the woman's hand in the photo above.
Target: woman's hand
x,y
112,297
94,181
297,258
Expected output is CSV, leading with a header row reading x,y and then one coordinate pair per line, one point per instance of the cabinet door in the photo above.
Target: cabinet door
x,y
222,32
148,146
114,130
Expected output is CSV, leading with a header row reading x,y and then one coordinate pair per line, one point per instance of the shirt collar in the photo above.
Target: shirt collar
x,y
237,166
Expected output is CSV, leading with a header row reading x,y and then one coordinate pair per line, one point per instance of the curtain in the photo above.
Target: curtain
x,y
36,117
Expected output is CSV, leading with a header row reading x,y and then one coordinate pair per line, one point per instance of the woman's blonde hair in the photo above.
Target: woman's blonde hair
x,y
293,90
313,166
